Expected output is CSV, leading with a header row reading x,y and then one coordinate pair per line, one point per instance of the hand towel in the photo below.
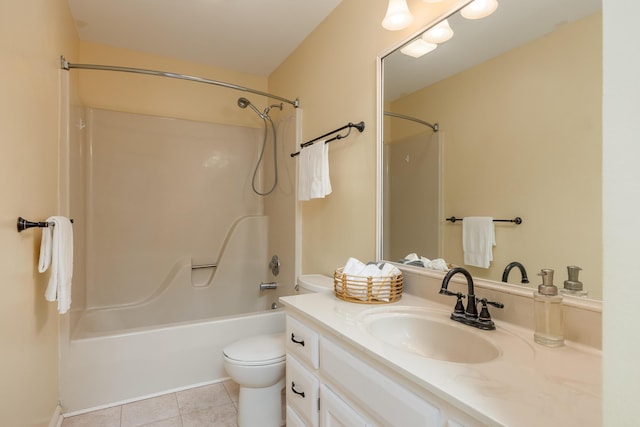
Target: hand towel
x,y
56,251
313,172
478,240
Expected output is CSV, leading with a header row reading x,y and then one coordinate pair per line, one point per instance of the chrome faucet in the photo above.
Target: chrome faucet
x,y
469,316
510,266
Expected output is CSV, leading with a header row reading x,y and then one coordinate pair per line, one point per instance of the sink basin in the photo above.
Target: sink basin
x,y
428,334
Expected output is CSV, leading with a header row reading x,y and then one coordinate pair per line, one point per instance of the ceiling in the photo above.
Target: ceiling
x,y
249,36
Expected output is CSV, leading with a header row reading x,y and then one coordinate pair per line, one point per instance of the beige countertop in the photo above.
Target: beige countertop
x,y
526,385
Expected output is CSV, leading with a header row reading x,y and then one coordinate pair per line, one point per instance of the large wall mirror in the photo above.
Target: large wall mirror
x,y
517,97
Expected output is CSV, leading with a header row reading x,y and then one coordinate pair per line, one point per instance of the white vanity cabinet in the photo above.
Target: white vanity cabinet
x,y
334,412
328,386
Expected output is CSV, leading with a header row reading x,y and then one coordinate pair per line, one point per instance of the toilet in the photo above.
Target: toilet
x,y
314,283
257,365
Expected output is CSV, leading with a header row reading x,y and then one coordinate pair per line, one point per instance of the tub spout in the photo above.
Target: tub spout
x,y
268,285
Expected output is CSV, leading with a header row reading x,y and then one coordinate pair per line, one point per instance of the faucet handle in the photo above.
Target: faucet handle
x,y
484,312
458,310
493,303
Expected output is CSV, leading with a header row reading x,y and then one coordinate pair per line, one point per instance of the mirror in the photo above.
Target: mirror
x,y
517,97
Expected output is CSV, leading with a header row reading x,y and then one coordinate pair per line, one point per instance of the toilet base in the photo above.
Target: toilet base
x,y
261,407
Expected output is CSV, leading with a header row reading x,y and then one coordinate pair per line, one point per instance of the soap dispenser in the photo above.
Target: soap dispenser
x,y
548,312
573,286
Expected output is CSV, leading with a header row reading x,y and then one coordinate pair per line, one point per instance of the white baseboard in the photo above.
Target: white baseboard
x,y
56,418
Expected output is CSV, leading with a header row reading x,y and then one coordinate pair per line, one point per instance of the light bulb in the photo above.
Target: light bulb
x,y
398,16
438,34
417,48
479,9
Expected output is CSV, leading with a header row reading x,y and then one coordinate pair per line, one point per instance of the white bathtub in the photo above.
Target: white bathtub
x,y
123,366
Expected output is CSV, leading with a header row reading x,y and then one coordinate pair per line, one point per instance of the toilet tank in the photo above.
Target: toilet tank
x,y
312,283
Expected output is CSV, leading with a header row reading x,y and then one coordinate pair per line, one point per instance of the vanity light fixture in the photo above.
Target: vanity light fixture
x,y
418,47
398,16
438,34
478,9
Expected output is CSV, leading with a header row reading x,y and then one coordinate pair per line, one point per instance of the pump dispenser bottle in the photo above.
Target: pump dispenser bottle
x,y
573,286
548,312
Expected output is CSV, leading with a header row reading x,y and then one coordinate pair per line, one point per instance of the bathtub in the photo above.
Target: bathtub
x,y
101,369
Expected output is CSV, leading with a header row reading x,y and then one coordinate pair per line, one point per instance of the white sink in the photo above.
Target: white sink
x,y
429,333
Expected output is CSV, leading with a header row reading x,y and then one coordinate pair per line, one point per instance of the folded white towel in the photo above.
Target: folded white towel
x,y
437,264
478,240
313,172
57,252
356,270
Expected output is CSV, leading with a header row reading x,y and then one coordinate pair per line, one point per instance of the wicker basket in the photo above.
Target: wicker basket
x,y
367,290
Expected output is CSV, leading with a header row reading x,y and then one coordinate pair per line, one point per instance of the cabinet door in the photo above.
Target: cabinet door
x,y
293,420
334,412
385,400
302,390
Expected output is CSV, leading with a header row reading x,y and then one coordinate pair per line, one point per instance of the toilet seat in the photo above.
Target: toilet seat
x,y
257,350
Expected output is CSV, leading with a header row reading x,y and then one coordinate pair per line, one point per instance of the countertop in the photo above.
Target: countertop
x,y
526,385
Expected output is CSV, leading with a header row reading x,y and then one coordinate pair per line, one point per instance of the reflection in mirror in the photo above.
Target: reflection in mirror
x,y
520,135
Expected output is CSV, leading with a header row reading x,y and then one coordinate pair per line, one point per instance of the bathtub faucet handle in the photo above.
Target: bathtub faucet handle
x,y
268,285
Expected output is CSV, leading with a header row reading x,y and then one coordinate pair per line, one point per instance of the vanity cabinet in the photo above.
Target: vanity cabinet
x,y
329,384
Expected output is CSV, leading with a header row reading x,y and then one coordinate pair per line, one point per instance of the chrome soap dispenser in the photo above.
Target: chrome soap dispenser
x,y
548,312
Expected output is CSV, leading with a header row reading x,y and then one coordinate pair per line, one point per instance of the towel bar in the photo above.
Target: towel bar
x,y
23,224
516,220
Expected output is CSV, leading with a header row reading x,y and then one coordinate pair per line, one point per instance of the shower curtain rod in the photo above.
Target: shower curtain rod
x,y
434,126
68,65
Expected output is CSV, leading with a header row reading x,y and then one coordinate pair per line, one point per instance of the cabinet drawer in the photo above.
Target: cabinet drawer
x,y
302,390
293,420
391,403
302,341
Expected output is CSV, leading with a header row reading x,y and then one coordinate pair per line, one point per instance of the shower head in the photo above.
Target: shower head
x,y
244,103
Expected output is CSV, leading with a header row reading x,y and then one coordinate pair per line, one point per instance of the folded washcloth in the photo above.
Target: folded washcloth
x,y
57,252
478,240
313,172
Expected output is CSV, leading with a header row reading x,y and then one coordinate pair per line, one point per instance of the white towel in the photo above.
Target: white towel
x,y
313,172
356,268
57,251
478,240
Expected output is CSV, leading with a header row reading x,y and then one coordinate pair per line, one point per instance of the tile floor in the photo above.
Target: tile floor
x,y
214,405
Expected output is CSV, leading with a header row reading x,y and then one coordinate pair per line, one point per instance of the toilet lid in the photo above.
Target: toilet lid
x,y
259,349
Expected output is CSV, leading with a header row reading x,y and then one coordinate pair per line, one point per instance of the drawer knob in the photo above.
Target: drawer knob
x,y
293,389
293,338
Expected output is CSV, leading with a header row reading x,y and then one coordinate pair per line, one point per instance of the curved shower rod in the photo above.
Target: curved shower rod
x,y
434,126
67,66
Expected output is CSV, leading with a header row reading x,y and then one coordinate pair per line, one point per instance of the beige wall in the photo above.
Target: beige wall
x,y
33,35
334,74
526,142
